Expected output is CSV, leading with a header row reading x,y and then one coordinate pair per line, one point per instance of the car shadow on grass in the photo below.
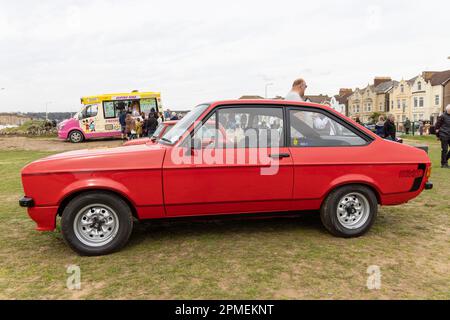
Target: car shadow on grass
x,y
190,228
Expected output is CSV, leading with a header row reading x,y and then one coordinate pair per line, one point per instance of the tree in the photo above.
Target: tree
x,y
374,116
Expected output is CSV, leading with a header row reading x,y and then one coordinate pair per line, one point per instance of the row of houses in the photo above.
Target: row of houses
x,y
423,97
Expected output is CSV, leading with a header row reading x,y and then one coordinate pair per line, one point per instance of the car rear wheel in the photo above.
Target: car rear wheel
x,y
76,136
349,211
96,223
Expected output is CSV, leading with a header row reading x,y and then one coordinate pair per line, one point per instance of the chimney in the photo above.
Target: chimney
x,y
379,80
428,74
345,91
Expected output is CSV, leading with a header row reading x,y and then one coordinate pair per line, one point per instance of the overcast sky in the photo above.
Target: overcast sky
x,y
197,51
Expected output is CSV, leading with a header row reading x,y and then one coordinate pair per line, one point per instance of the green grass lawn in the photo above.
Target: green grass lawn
x,y
292,258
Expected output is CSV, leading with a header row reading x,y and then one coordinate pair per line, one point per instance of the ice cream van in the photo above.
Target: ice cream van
x,y
99,115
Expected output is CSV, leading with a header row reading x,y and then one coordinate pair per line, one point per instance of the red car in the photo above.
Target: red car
x,y
162,129
261,156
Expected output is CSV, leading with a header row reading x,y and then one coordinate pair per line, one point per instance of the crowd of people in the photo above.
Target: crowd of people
x,y
138,126
135,124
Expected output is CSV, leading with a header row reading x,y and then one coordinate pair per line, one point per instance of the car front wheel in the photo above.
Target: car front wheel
x,y
76,136
349,211
96,223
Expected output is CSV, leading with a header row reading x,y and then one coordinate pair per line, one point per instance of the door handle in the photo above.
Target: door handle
x,y
280,156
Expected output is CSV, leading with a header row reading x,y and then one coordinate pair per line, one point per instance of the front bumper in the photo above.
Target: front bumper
x,y
63,134
45,217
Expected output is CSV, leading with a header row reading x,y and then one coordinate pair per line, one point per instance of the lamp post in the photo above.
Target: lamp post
x,y
267,85
46,110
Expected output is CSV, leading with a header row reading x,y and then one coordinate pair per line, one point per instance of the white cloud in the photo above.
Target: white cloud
x,y
195,51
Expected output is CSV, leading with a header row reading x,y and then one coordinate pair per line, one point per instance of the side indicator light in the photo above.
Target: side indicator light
x,y
429,172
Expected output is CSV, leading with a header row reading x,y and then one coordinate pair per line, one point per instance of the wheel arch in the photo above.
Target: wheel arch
x,y
364,183
69,197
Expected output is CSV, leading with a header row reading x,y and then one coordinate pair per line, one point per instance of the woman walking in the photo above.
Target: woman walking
x,y
389,130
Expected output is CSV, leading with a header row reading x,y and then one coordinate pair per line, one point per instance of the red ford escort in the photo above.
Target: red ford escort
x,y
259,156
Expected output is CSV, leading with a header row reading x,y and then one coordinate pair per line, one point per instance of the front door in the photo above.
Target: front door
x,y
89,120
241,166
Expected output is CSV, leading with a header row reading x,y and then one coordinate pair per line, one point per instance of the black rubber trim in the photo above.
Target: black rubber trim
x,y
26,202
418,181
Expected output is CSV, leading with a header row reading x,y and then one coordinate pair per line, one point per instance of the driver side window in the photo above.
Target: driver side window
x,y
90,111
207,133
316,129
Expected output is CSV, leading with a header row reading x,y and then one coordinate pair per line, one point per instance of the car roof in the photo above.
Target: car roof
x,y
287,103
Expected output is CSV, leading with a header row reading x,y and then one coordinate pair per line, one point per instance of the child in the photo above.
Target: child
x,y
138,127
130,127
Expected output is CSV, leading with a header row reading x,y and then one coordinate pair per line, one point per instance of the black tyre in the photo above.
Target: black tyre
x,y
349,211
76,136
96,223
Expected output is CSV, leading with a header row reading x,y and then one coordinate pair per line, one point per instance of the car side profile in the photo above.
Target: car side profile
x,y
264,156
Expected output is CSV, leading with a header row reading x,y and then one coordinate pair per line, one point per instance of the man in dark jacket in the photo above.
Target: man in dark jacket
x,y
407,126
122,117
389,128
443,134
151,124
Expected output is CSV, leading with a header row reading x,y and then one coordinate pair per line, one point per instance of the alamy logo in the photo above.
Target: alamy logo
x,y
74,280
374,278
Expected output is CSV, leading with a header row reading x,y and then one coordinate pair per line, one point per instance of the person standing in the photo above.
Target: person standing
x,y
389,128
407,125
160,118
122,118
152,124
443,134
379,126
427,127
167,114
421,127
138,127
297,92
130,126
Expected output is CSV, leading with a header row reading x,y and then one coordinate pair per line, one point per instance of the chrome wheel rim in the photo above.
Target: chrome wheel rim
x,y
76,136
353,210
96,225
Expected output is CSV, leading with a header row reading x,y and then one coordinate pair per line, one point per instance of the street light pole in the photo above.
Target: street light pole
x,y
267,85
